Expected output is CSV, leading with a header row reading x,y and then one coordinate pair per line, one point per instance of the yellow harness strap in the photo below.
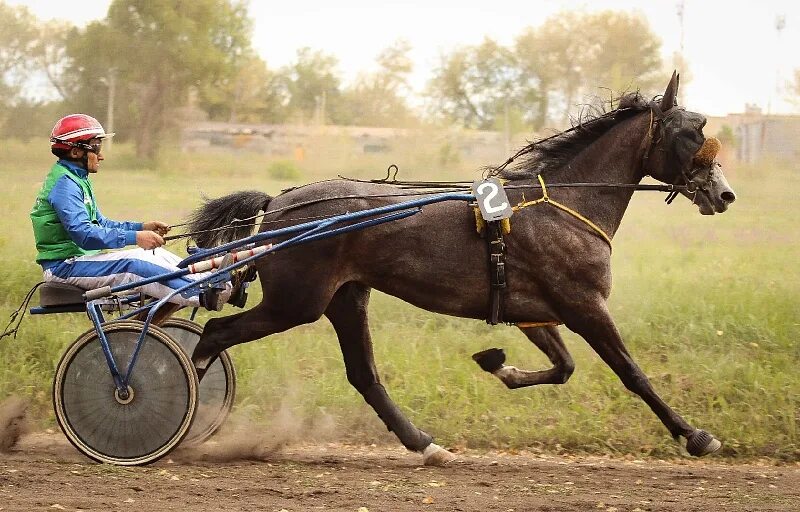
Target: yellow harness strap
x,y
546,199
480,224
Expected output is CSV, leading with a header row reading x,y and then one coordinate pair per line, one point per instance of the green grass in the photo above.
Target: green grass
x,y
707,305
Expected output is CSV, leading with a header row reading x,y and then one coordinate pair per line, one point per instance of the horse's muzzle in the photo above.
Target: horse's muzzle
x,y
713,194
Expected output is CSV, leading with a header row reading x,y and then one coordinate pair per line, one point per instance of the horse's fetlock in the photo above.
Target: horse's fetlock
x,y
567,369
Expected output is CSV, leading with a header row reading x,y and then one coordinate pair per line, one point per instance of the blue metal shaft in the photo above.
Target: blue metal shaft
x,y
346,217
96,316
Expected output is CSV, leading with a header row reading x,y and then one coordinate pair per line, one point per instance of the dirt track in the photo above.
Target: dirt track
x,y
45,473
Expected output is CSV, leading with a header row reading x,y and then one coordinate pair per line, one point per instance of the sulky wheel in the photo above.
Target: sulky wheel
x,y
133,430
217,388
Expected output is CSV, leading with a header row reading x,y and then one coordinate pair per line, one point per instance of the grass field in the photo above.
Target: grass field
x,y
708,307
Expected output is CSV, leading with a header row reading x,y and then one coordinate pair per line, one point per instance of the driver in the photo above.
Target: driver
x,y
71,233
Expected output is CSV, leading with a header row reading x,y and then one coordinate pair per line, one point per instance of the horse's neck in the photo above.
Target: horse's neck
x,y
615,157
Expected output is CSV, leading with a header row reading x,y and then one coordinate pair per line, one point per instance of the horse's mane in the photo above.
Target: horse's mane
x,y
557,150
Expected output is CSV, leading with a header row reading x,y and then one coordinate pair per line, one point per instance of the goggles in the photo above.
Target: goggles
x,y
94,147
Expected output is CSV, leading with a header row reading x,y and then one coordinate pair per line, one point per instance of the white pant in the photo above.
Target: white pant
x,y
127,266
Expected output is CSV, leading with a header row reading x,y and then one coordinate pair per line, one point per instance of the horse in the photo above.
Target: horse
x,y
558,266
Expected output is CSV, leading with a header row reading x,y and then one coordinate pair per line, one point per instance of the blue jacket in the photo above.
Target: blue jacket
x,y
66,197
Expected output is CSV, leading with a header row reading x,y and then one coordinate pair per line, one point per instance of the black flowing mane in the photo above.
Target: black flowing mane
x,y
557,150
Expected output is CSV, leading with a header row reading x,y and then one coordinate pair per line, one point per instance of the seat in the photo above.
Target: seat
x,y
60,294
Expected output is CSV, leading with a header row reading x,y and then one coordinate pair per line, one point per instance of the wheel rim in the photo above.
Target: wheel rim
x,y
128,430
217,389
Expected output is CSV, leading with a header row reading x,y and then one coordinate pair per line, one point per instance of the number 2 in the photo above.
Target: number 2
x,y
487,201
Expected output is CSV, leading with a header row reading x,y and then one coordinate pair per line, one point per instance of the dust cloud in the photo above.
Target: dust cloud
x,y
243,437
13,423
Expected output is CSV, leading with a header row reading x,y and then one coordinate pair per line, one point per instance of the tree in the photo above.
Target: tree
x,y
394,67
548,69
159,50
251,94
474,85
625,54
26,44
50,53
312,84
379,99
543,65
18,36
575,54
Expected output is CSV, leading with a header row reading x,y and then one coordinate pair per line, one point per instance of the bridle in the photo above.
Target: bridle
x,y
655,134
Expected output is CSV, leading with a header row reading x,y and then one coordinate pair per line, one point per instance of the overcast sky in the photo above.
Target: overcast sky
x,y
735,54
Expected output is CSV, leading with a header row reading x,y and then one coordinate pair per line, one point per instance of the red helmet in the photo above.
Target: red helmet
x,y
74,130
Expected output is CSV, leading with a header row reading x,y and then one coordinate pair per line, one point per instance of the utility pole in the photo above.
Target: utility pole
x,y
323,106
506,126
680,8
780,24
112,89
678,58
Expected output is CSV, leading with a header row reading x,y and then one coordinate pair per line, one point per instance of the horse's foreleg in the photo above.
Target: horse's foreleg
x,y
595,325
549,341
224,332
347,312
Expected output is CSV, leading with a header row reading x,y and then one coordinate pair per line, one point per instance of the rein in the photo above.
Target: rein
x,y
462,185
421,187
417,188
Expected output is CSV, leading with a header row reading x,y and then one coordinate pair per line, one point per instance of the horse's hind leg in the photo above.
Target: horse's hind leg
x,y
549,341
347,312
595,325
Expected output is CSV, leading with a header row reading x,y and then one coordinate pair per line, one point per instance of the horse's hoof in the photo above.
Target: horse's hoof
x,y
435,455
202,363
490,360
201,367
702,443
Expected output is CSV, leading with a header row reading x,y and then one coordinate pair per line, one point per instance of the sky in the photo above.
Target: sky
x,y
735,54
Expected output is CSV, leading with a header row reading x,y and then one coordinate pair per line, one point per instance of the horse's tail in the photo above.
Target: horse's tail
x,y
237,211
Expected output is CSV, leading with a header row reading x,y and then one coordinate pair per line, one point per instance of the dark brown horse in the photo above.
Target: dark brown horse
x,y
558,267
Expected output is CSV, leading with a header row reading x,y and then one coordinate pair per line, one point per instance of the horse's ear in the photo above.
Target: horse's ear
x,y
670,95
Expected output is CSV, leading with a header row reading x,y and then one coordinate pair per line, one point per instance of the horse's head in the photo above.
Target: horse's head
x,y
680,154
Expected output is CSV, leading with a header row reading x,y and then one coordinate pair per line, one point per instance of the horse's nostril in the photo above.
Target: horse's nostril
x,y
728,197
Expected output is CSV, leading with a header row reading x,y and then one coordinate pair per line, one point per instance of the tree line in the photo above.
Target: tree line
x,y
164,61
